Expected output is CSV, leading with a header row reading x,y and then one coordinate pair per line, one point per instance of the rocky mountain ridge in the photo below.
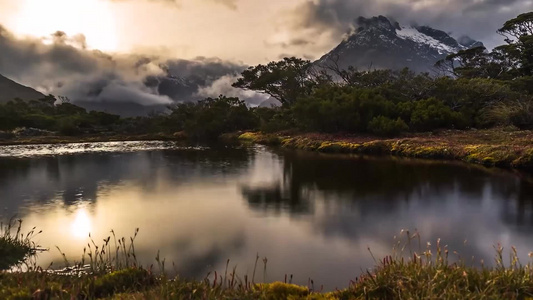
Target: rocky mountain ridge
x,y
380,43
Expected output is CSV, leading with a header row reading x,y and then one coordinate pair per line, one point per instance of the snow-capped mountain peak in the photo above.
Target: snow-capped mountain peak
x,y
381,43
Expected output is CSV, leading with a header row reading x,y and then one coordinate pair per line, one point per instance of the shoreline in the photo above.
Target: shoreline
x,y
41,140
490,148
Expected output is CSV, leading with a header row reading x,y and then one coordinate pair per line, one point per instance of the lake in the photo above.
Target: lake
x,y
311,215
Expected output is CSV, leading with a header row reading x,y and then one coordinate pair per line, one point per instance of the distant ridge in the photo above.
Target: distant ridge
x,y
379,43
9,90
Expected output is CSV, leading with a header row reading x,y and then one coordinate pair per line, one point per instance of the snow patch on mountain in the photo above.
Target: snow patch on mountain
x,y
411,33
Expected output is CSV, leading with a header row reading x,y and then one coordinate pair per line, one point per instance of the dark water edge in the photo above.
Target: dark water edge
x,y
312,215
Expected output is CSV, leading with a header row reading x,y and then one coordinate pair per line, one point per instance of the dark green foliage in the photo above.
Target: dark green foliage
x,y
433,114
384,126
274,119
69,126
65,118
210,118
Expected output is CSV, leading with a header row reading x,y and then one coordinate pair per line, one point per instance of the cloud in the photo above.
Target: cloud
x,y
478,19
222,86
62,65
231,4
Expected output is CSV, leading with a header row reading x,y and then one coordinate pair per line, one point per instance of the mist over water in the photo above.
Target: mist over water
x,y
313,216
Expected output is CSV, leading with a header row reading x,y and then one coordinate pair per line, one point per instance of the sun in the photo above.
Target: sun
x,y
92,18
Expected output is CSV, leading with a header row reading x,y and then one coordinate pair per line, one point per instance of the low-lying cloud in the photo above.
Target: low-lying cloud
x,y
62,65
222,86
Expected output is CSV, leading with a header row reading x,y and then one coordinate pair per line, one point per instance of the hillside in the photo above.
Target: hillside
x,y
10,90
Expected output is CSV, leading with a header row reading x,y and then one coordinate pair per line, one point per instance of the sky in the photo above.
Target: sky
x,y
39,33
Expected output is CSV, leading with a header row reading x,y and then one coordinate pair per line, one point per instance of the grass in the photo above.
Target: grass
x,y
15,247
500,147
111,271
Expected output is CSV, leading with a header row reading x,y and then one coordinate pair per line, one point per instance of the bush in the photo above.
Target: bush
x,y
431,114
69,126
522,116
210,118
519,114
384,126
341,109
274,119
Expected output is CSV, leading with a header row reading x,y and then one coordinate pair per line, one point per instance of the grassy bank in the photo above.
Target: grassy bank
x,y
36,140
427,273
493,147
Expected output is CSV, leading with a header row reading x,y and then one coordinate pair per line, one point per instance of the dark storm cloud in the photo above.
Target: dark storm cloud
x,y
478,19
62,65
295,42
204,67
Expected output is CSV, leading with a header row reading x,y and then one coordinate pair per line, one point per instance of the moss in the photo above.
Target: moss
x,y
489,161
376,147
249,137
126,280
525,160
270,139
280,290
301,143
338,147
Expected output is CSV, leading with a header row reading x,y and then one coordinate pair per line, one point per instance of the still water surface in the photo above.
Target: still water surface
x,y
313,216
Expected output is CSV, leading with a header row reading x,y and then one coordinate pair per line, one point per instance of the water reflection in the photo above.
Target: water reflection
x,y
81,226
311,215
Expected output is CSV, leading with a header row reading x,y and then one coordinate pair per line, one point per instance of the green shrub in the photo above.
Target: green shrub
x,y
69,126
519,114
210,118
341,109
433,114
384,126
274,119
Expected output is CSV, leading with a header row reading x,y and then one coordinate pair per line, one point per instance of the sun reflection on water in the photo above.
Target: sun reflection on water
x,y
81,226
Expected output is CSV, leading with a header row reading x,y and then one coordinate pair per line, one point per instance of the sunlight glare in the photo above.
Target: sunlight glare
x,y
81,227
92,18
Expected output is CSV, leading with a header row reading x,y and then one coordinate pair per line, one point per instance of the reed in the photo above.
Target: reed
x,y
413,270
16,248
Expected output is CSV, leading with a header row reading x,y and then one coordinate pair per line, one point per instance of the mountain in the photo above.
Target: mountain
x,y
9,90
379,43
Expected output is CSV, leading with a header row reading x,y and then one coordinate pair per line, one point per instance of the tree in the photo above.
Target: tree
x,y
285,80
470,63
518,27
518,33
209,118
